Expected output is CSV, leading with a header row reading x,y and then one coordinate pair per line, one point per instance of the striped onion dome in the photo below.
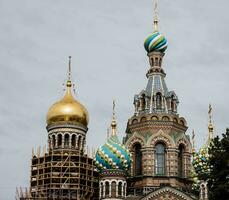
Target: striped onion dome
x,y
113,155
155,42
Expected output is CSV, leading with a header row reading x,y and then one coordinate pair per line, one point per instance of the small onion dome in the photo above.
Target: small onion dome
x,y
155,42
113,155
68,109
201,161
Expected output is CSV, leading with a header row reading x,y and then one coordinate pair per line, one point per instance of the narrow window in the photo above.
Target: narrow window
x,y
120,189
158,101
180,161
107,189
113,189
137,159
53,141
66,140
73,141
160,159
59,140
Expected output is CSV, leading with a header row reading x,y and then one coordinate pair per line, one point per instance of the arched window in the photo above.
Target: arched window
x,y
119,189
79,142
73,141
154,118
152,61
107,189
143,119
165,118
160,159
143,102
53,141
158,101
101,189
134,121
113,189
137,159
160,62
180,161
59,140
66,140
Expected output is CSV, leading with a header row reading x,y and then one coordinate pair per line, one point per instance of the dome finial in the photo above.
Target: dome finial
x,y
69,81
155,19
113,123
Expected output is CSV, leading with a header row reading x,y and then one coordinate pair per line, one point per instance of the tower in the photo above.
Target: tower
x,y
155,134
65,171
113,162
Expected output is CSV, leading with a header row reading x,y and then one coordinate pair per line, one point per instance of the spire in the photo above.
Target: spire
x,y
210,124
155,18
193,141
69,80
113,122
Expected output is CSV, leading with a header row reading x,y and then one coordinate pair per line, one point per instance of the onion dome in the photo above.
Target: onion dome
x,y
201,161
68,109
201,158
113,155
155,42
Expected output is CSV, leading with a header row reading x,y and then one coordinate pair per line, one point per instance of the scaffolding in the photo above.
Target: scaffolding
x,y
64,174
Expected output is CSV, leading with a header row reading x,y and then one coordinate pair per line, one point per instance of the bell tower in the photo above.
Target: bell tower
x,y
155,134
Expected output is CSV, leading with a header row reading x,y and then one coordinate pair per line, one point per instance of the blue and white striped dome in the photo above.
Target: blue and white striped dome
x,y
113,155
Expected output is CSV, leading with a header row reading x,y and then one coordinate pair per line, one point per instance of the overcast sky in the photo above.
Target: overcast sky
x,y
105,39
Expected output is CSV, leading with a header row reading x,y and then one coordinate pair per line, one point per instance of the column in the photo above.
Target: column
x,y
100,190
76,143
50,143
122,192
70,141
104,189
116,189
62,141
109,189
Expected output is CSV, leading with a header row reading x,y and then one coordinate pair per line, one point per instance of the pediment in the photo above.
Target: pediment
x,y
168,193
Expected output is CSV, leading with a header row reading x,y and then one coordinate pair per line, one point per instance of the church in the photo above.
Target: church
x,y
152,162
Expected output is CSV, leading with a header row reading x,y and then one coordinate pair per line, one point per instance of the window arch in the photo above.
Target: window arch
x,y
143,119
165,118
160,159
137,159
180,161
134,121
155,118
182,122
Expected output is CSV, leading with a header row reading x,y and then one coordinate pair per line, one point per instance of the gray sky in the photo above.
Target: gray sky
x,y
105,39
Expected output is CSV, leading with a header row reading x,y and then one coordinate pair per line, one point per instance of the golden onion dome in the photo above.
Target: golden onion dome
x,y
68,109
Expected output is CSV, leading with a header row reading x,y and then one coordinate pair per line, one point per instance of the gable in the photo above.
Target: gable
x,y
168,193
